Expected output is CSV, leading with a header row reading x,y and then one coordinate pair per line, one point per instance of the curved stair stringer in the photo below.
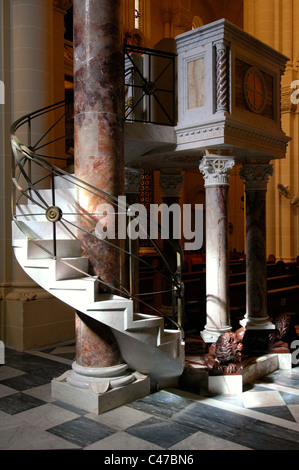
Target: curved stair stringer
x,y
144,344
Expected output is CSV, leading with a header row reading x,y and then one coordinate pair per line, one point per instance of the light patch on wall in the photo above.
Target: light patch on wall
x,y
137,14
196,76
2,100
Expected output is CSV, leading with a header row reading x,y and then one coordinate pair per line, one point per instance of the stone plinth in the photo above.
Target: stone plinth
x,y
91,400
197,376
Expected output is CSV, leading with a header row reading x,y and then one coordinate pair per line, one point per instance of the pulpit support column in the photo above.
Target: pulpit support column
x,y
255,176
216,174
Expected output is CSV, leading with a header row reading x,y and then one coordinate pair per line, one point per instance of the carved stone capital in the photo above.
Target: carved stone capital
x,y
256,175
216,170
171,182
133,178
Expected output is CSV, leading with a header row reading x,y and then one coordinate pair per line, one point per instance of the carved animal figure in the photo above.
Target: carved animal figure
x,y
282,328
224,354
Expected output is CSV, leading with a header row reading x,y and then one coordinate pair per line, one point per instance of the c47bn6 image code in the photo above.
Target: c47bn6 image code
x,y
170,459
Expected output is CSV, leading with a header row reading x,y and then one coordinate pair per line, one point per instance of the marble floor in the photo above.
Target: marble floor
x,y
264,417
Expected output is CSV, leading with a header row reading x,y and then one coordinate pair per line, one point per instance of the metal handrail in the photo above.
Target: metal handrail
x,y
25,157
143,84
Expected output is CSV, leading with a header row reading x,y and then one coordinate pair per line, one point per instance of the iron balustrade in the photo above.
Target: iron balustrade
x,y
150,84
32,172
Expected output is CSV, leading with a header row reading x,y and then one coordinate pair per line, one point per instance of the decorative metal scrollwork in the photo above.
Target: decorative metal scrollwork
x,y
53,214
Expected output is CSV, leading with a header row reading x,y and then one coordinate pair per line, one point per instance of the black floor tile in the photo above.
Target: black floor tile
x,y
282,412
36,365
25,381
82,431
290,398
266,436
211,420
161,404
67,406
161,432
18,402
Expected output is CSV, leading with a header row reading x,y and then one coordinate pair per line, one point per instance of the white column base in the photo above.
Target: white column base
x,y
107,388
257,323
210,335
2,353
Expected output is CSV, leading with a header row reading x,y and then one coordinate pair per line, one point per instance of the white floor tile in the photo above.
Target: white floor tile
x,y
5,391
202,441
120,418
43,392
257,399
23,436
122,441
46,416
7,372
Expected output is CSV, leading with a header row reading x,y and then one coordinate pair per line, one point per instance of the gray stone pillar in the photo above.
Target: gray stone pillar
x,y
255,176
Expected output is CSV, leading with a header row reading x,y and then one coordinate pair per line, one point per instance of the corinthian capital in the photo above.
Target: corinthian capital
x,y
256,175
132,180
171,182
216,170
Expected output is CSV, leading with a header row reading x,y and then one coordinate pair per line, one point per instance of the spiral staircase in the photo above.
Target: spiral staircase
x,y
47,245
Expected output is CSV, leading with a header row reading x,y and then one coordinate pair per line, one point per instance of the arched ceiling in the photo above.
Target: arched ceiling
x,y
212,10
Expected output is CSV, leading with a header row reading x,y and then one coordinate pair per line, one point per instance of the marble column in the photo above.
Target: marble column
x,y
171,180
99,127
216,171
99,161
255,176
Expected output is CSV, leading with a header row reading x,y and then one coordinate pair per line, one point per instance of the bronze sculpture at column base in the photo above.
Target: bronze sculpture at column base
x,y
225,353
278,338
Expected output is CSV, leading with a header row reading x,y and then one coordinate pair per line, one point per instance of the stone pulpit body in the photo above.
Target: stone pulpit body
x,y
229,113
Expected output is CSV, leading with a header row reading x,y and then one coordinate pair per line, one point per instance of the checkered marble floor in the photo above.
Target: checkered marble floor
x,y
264,417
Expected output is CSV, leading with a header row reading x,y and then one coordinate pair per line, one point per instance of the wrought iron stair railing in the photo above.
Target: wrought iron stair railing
x,y
33,172
150,84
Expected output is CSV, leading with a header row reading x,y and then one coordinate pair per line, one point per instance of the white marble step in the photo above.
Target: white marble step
x,y
43,249
139,321
33,212
79,293
59,269
144,344
43,230
65,181
38,249
63,196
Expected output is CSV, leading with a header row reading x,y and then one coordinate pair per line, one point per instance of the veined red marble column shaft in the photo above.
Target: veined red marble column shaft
x,y
99,121
216,174
99,155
